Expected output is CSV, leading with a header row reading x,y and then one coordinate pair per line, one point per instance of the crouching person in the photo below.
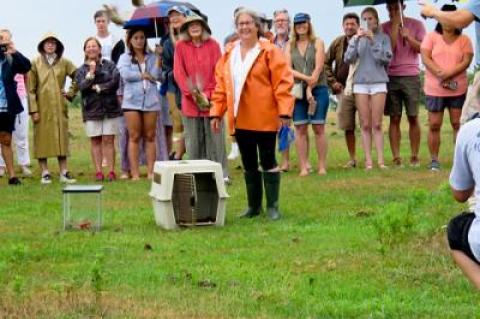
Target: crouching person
x,y
464,229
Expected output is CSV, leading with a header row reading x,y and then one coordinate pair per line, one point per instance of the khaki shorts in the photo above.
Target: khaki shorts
x,y
175,113
103,127
346,112
403,91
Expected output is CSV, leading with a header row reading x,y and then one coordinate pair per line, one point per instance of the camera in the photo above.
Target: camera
x,y
3,48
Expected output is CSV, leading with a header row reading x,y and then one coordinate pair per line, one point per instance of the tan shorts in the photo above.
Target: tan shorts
x,y
175,113
103,127
346,112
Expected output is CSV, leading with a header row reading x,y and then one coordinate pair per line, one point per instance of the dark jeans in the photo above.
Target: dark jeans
x,y
248,143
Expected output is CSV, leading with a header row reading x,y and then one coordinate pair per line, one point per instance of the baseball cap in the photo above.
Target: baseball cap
x,y
301,18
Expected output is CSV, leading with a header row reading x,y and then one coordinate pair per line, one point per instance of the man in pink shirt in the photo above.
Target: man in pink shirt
x,y
404,87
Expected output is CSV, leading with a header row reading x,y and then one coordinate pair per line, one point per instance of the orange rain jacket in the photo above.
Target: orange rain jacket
x,y
266,94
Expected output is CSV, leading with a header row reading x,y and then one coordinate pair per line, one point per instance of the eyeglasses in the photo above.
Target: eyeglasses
x,y
245,24
281,21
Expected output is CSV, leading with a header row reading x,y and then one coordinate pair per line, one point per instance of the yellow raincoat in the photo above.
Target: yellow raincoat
x,y
45,90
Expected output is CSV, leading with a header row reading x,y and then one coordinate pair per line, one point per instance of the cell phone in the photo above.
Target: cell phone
x,y
364,24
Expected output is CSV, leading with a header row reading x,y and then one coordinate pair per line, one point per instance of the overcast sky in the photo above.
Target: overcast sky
x,y
72,20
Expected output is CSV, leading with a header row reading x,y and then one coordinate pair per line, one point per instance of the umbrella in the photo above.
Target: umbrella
x,y
351,3
153,18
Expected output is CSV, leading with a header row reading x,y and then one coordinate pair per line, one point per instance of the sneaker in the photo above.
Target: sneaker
x,y
111,177
26,171
350,164
414,162
67,178
234,152
434,166
46,179
99,177
14,181
2,171
397,162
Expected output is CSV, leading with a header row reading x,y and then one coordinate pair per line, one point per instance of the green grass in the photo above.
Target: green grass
x,y
352,244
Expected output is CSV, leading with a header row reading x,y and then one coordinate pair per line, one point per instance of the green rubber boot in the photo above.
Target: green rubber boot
x,y
253,183
272,192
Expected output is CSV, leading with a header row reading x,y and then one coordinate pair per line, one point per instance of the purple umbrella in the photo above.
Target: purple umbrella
x,y
153,18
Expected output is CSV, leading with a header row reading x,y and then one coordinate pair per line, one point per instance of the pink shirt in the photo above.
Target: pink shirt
x,y
405,60
446,56
195,65
21,90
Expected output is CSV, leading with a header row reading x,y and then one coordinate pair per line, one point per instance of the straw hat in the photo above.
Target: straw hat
x,y
195,18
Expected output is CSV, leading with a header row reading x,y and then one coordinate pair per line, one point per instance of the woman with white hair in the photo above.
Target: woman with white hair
x,y
253,87
196,55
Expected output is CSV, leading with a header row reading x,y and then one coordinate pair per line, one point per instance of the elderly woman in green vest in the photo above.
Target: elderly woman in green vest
x,y
48,106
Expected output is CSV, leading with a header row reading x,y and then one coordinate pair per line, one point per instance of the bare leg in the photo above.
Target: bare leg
x,y
62,163
378,104
180,147
435,120
395,136
285,160
7,152
455,115
468,267
321,144
148,133
365,113
169,137
351,144
96,152
134,126
42,162
109,151
414,134
301,142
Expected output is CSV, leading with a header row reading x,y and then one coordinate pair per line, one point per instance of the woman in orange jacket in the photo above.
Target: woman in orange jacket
x,y
253,87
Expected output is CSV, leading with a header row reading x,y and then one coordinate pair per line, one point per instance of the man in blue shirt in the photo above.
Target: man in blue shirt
x,y
464,229
12,62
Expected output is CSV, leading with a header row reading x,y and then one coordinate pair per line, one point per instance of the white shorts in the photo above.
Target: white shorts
x,y
370,89
103,127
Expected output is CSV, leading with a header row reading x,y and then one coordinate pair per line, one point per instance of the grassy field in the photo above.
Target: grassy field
x,y
352,244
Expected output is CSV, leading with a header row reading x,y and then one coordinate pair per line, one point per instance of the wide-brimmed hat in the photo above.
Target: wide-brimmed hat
x,y
48,36
195,18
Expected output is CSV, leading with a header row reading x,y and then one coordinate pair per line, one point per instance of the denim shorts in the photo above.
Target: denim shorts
x,y
439,103
300,112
